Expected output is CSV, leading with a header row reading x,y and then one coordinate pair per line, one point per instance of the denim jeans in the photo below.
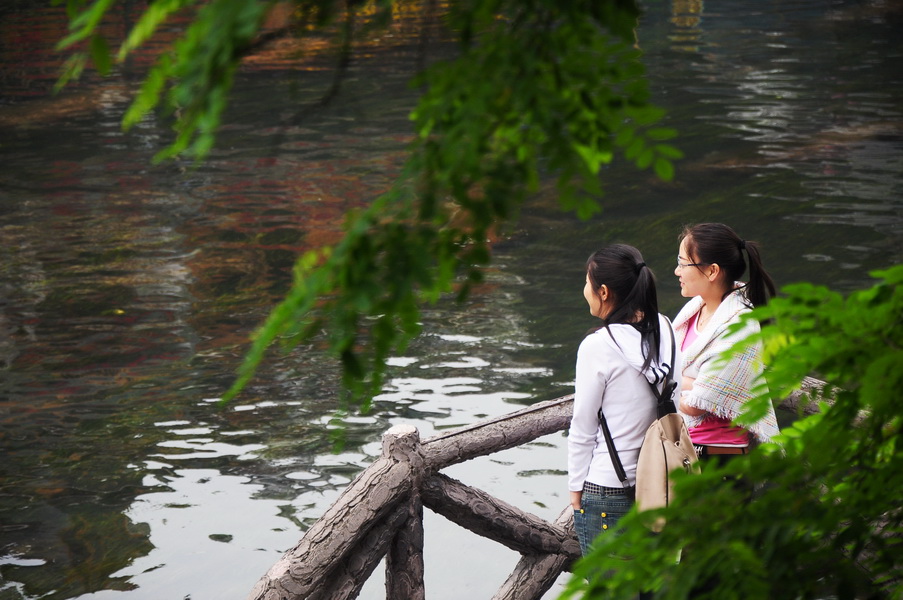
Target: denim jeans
x,y
600,511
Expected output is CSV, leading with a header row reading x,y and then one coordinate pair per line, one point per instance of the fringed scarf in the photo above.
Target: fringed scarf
x,y
722,388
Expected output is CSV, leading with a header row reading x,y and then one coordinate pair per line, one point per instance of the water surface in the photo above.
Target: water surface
x,y
128,291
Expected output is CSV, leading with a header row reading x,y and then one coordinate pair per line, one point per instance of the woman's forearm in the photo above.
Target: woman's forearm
x,y
686,384
690,410
576,498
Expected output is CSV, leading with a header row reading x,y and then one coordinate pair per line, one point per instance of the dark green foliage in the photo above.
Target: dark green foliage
x,y
540,88
825,519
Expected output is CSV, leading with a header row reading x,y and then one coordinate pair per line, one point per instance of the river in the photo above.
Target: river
x,y
128,290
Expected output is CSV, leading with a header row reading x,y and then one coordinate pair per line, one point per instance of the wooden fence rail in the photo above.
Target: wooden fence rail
x,y
380,514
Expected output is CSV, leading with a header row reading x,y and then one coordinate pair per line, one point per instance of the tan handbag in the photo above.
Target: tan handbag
x,y
666,447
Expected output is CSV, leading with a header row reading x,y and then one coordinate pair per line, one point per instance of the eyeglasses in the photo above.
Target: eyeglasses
x,y
681,265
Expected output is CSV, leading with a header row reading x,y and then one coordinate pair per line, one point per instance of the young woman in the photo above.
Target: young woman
x,y
711,261
616,364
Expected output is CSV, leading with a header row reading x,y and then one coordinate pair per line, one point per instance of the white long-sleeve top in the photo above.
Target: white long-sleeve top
x,y
610,376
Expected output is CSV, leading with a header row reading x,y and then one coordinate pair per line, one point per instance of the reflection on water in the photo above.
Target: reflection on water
x,y
221,515
128,291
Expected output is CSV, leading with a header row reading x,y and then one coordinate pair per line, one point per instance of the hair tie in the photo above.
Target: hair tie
x,y
742,244
639,267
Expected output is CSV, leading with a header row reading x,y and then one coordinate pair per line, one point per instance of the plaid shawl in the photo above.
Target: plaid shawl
x,y
721,388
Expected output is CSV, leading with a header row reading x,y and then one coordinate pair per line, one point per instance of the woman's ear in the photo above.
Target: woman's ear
x,y
603,292
713,272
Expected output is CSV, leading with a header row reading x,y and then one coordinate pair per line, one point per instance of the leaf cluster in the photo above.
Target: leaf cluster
x,y
539,87
370,284
814,515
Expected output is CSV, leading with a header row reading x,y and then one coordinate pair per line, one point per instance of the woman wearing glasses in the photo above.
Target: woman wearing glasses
x,y
711,262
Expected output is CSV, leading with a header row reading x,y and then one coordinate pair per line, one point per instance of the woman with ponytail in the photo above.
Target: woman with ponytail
x,y
711,263
617,363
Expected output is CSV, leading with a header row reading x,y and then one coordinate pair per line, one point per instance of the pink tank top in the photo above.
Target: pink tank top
x,y
691,333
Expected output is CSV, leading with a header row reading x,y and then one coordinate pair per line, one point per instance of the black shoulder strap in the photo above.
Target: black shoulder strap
x,y
664,405
612,451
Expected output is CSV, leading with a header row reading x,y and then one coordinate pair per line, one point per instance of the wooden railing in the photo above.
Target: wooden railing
x,y
380,515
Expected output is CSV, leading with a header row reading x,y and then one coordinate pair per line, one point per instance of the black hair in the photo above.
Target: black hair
x,y
631,285
716,243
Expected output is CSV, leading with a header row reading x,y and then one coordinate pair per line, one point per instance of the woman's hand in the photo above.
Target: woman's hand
x,y
686,383
576,497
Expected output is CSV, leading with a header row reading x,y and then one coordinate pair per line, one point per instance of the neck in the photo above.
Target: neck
x,y
713,296
710,302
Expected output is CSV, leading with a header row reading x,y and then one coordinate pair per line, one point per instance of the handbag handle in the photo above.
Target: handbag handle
x,y
662,408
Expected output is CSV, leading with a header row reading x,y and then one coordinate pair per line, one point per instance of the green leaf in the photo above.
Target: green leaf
x,y
635,148
625,136
519,100
156,14
71,70
592,157
149,93
100,54
667,151
645,158
661,133
85,24
664,169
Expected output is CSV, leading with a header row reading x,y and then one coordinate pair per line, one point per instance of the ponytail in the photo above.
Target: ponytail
x,y
761,286
632,287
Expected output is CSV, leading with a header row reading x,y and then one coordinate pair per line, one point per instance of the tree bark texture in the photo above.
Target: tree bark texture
x,y
346,579
404,562
535,574
495,435
798,401
492,518
373,495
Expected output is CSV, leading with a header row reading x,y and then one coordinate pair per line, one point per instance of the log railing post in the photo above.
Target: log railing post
x,y
346,577
404,561
371,503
